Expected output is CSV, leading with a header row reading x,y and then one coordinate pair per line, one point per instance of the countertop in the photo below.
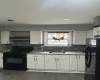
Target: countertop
x,y
1,52
57,53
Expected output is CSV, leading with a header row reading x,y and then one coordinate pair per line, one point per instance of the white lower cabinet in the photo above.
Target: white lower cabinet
x,y
63,62
73,62
77,62
50,62
58,63
1,60
81,62
5,37
35,61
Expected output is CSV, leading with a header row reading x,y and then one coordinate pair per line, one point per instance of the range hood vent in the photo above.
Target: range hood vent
x,y
19,38
97,21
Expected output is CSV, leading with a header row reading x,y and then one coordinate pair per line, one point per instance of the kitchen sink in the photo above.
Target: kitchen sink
x,y
49,52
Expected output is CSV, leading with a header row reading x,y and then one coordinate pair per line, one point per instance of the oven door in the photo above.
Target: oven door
x,y
13,62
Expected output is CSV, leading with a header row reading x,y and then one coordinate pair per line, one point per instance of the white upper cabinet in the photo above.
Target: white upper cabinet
x,y
5,37
35,37
95,31
89,34
98,30
79,37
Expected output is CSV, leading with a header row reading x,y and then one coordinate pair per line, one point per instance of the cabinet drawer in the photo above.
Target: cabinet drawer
x,y
63,56
51,56
36,56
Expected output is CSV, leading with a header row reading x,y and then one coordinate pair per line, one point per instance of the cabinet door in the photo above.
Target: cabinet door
x,y
81,62
31,62
80,37
98,30
95,31
89,34
5,37
50,62
73,62
63,62
39,62
1,60
35,37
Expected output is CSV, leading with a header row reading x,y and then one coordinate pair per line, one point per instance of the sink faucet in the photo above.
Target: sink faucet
x,y
42,48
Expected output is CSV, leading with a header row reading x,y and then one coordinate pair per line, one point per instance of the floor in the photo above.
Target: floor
x,y
22,75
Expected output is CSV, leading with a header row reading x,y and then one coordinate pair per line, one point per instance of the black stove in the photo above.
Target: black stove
x,y
16,59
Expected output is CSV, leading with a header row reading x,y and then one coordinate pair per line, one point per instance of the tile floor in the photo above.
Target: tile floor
x,y
22,75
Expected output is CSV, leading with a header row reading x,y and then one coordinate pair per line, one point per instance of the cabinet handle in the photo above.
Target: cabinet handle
x,y
76,56
36,59
58,59
55,59
79,56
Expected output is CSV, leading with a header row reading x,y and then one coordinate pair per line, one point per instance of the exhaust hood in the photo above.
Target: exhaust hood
x,y
19,38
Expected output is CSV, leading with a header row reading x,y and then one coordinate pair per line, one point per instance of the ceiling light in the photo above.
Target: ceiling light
x,y
66,19
10,20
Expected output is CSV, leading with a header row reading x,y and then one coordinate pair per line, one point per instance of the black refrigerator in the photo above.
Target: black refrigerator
x,y
97,68
92,60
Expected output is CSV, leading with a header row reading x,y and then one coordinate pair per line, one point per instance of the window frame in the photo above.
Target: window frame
x,y
45,41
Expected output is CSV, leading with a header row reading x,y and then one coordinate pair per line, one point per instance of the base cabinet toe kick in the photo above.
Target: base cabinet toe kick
x,y
56,63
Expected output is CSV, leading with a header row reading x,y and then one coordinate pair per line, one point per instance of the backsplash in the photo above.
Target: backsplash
x,y
55,49
40,47
3,47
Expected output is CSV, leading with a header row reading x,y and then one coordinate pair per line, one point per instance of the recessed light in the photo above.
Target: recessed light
x,y
66,19
10,20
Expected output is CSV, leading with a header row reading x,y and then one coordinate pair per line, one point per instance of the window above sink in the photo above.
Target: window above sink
x,y
58,38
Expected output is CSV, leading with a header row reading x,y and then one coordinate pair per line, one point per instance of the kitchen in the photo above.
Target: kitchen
x,y
43,41
55,59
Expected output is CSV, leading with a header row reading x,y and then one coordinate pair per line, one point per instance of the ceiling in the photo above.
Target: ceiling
x,y
49,11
